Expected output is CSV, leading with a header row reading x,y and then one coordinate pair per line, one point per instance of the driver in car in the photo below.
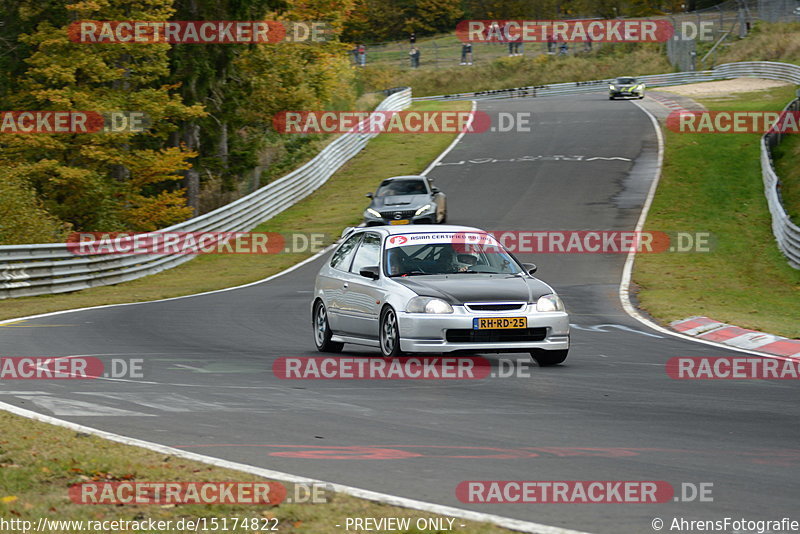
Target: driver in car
x,y
466,261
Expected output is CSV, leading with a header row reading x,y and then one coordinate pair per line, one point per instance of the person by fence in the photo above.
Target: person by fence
x,y
362,55
466,53
414,55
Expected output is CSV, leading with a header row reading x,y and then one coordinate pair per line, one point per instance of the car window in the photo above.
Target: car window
x,y
343,255
626,81
401,187
369,253
446,258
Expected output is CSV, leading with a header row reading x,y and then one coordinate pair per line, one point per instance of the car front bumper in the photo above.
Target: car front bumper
x,y
426,218
422,332
625,93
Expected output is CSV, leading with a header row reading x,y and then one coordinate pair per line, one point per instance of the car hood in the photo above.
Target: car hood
x,y
461,288
400,202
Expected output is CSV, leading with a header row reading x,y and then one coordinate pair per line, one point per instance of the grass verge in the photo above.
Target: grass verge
x,y
38,463
712,183
335,205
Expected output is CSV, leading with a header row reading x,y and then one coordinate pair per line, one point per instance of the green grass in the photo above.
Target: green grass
x,y
441,51
38,463
712,183
505,72
337,204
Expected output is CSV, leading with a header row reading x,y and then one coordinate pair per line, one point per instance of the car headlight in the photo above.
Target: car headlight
x,y
612,88
423,209
374,213
549,303
428,305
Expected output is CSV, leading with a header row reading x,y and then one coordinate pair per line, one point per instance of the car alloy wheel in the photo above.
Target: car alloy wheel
x,y
389,334
322,332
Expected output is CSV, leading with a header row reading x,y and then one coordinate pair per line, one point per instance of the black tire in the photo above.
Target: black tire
x,y
546,358
611,98
389,334
641,97
322,331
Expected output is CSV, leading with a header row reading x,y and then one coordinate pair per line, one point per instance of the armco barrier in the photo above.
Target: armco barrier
x,y
787,234
28,270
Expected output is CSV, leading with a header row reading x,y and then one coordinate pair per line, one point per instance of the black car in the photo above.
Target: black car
x,y
406,200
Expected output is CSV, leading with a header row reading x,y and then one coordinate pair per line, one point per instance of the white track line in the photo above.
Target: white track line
x,y
506,522
624,286
513,524
453,144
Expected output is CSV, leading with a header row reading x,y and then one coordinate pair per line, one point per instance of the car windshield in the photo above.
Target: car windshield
x,y
446,255
401,187
626,81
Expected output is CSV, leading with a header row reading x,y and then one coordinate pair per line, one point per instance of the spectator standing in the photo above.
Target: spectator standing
x,y
564,49
551,45
466,53
414,54
362,55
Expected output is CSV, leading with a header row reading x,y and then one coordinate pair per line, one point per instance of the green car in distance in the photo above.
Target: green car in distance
x,y
625,86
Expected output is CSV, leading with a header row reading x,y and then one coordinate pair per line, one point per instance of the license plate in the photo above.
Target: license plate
x,y
400,221
481,323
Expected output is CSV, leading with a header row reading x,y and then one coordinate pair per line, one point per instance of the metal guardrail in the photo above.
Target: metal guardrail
x,y
787,234
575,88
29,270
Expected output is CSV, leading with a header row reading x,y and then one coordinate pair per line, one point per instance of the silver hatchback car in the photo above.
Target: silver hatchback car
x,y
435,289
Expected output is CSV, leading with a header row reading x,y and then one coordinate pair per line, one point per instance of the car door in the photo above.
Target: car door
x,y
334,281
364,295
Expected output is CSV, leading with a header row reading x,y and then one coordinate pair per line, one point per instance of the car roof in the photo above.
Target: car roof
x,y
406,177
422,229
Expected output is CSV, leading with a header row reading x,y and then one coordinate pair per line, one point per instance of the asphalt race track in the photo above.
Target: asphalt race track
x,y
609,413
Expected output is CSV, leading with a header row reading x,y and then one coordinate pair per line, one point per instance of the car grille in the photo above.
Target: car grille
x,y
466,335
404,214
494,306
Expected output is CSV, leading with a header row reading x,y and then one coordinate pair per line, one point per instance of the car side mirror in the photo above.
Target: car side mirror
x,y
369,195
373,272
435,189
530,267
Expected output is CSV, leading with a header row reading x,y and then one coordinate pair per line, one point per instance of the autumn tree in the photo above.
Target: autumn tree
x,y
98,181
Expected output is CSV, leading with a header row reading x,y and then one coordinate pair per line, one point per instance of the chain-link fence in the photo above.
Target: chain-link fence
x,y
724,21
